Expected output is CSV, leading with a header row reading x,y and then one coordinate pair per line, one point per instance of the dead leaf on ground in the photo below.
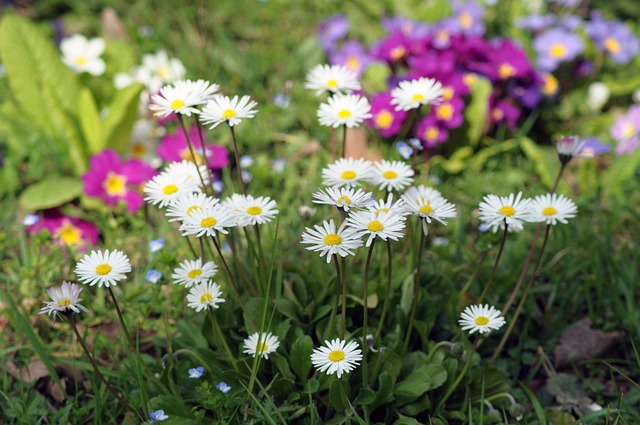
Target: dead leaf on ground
x,y
29,373
580,342
112,26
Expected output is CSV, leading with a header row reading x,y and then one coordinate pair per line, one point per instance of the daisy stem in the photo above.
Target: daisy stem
x,y
121,318
204,154
223,341
190,145
237,154
330,330
261,259
255,267
344,140
234,286
344,297
467,285
332,137
365,320
495,265
202,258
123,402
456,382
193,251
385,306
514,319
416,290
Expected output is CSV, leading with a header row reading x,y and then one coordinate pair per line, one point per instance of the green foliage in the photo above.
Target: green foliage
x,y
49,193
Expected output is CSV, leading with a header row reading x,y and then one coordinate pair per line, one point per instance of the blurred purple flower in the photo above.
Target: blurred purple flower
x,y
614,38
431,132
67,231
467,18
351,54
593,147
626,131
449,113
536,23
505,112
332,30
555,46
570,22
408,27
392,49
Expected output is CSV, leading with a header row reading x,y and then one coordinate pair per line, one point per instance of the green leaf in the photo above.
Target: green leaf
x,y
123,113
90,121
286,307
119,56
420,381
366,396
406,421
542,158
476,111
480,158
335,395
622,169
384,395
300,357
50,193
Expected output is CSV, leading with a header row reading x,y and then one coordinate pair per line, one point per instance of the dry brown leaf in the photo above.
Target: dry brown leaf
x,y
580,342
112,26
358,145
30,373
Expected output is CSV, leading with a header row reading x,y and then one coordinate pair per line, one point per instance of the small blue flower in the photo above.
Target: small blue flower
x,y
153,276
30,219
246,176
416,143
246,161
222,386
404,149
483,228
196,372
226,248
156,245
157,416
278,165
218,185
281,100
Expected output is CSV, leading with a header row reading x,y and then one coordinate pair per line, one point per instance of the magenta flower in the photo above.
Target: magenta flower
x,y
449,113
384,118
393,49
112,180
174,147
67,231
556,46
431,132
508,60
504,111
353,55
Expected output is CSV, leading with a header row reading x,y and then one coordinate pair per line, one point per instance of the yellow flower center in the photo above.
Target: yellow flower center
x,y
170,189
558,50
465,20
444,112
65,302
332,239
398,53
382,210
69,234
206,298
507,210
506,71
343,200
353,63
469,78
549,211
103,269
384,119
612,45
550,85
208,222
417,98
389,174
254,210
628,130
162,73
262,347
186,155
348,175
194,273
497,114
193,208
375,226
331,84
177,104
481,320
115,184
336,356
431,133
448,92
426,209
228,114
442,36
81,60
138,150
344,114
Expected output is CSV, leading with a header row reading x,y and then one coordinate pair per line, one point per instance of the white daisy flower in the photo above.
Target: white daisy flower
x,y
331,78
347,172
344,198
65,299
552,208
208,221
187,203
104,268
337,357
389,206
193,272
261,344
344,109
176,98
568,147
391,175
166,187
190,169
496,210
250,211
415,93
223,109
83,55
329,241
205,296
383,225
200,90
428,204
481,318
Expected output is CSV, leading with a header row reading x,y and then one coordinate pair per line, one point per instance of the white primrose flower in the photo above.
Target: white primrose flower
x,y
83,55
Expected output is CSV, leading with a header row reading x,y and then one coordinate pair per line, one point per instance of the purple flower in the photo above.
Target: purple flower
x,y
158,416
30,219
467,19
332,30
593,146
570,22
384,118
112,180
395,48
409,27
614,38
507,60
555,46
504,111
174,147
353,55
432,132
67,231
222,386
404,149
626,131
153,276
449,113
196,372
536,23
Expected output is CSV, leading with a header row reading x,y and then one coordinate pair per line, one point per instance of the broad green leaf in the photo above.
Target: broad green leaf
x,y
90,121
300,357
123,113
622,169
336,399
119,56
476,111
384,394
544,160
420,381
480,158
50,193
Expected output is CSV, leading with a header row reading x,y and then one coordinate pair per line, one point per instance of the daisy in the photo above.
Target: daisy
x,y
383,225
193,272
568,147
389,206
344,109
337,357
346,172
343,198
166,187
261,344
223,109
331,78
414,93
552,208
200,91
187,203
330,241
82,55
251,211
495,211
208,221
64,300
190,169
428,204
104,268
196,372
481,318
176,98
204,296
391,175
